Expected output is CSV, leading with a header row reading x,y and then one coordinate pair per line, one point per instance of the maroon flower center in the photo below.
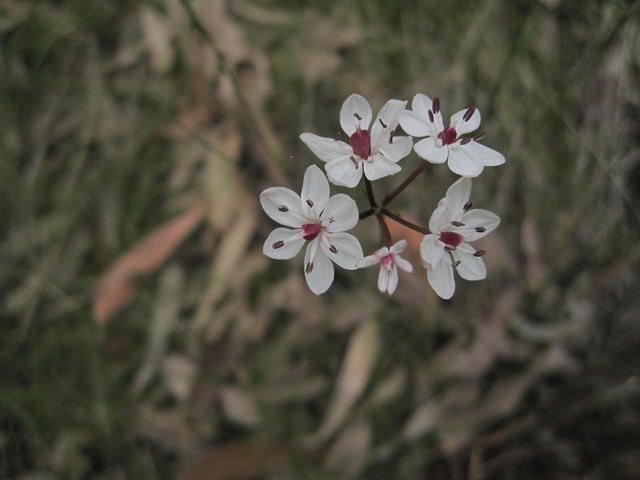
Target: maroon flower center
x,y
452,239
448,135
311,230
387,260
361,143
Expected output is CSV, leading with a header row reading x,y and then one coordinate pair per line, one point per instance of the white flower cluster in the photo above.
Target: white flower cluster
x,y
374,150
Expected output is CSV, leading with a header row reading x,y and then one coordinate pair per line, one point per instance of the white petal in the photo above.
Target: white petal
x,y
398,247
428,149
475,219
487,156
378,166
403,264
393,280
463,126
344,172
431,251
463,164
383,279
352,106
340,214
399,148
368,261
381,253
439,218
457,197
292,242
283,206
389,116
315,191
326,149
440,277
421,104
343,249
415,124
470,267
318,269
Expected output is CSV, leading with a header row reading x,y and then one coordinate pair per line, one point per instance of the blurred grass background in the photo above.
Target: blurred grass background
x,y
144,335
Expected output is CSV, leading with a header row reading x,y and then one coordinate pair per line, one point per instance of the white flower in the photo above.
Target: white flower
x,y
452,225
373,148
389,260
317,219
465,156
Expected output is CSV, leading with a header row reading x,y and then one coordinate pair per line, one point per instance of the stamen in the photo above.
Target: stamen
x,y
467,206
283,208
382,123
333,249
455,223
309,267
479,137
481,229
391,137
357,116
278,244
469,113
310,202
355,162
435,105
464,141
431,116
478,253
456,264
387,260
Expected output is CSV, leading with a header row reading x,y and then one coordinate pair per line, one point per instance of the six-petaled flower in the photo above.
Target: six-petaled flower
x,y
453,224
317,220
465,156
373,149
390,260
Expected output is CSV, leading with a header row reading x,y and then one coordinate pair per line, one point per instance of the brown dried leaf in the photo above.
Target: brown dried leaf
x,y
235,461
117,285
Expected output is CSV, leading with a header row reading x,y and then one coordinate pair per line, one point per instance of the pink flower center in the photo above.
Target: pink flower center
x,y
311,230
448,135
387,260
452,239
361,143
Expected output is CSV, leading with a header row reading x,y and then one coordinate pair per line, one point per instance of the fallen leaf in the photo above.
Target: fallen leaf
x,y
349,453
117,286
239,407
235,461
354,375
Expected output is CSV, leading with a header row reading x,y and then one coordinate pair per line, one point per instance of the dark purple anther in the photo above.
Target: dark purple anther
x,y
464,141
455,223
384,125
431,116
278,244
283,208
435,105
333,249
481,229
309,267
310,202
468,114
467,206
478,253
